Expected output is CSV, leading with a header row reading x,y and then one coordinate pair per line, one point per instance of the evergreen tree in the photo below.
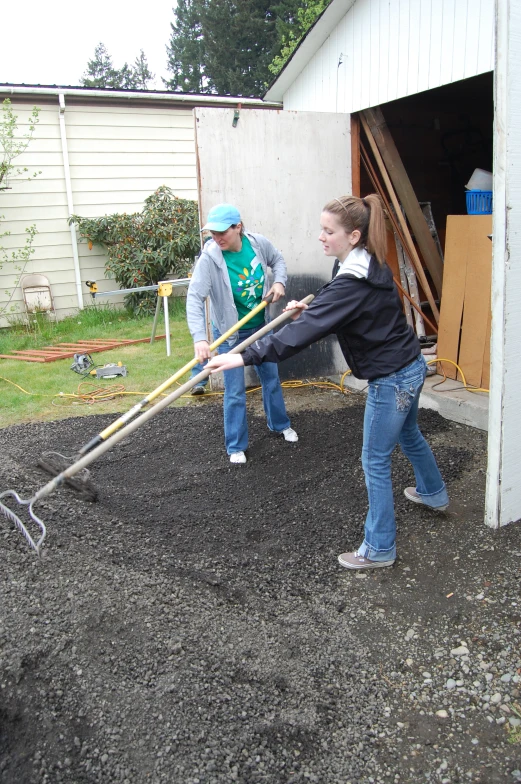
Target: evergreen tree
x,y
101,72
124,78
292,33
233,47
286,18
141,72
240,37
186,52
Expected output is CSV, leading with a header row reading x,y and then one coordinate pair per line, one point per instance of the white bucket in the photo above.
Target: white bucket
x,y
481,180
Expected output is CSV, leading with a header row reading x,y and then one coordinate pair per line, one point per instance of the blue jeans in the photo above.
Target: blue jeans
x,y
196,370
235,423
391,414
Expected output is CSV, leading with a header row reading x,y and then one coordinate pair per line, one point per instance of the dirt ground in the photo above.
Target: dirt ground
x,y
194,625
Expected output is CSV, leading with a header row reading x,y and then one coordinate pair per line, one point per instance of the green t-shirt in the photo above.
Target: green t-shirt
x,y
247,281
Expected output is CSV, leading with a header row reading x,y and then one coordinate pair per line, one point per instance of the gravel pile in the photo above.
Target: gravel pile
x,y
194,626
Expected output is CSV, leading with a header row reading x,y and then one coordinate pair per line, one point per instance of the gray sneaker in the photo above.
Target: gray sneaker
x,y
356,561
198,390
413,495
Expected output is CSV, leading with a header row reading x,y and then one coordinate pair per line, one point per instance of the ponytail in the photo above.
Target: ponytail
x,y
367,215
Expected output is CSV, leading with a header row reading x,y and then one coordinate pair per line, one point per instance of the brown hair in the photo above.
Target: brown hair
x,y
367,215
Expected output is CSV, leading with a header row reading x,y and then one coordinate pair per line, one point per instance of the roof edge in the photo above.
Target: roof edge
x,y
311,43
106,94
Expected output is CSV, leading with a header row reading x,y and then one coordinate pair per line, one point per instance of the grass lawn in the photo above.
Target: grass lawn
x,y
30,391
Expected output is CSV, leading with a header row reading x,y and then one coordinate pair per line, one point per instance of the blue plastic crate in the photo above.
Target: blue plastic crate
x,y
479,202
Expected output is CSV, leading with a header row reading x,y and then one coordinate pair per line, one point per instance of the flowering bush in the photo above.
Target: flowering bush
x,y
158,243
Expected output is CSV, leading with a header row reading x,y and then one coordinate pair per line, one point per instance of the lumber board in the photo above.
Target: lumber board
x,y
25,359
355,155
53,349
476,306
402,184
33,352
392,257
455,277
68,350
398,219
464,334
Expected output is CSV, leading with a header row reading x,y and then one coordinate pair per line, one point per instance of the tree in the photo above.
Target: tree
x,y
286,17
101,72
233,47
240,37
142,73
291,34
186,51
11,146
222,46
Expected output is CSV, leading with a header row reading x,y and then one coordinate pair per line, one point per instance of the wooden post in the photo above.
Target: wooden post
x,y
404,189
355,155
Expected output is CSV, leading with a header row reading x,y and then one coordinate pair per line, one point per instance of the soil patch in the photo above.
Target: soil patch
x,y
194,625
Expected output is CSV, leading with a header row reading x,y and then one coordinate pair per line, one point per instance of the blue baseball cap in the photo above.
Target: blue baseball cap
x,y
221,217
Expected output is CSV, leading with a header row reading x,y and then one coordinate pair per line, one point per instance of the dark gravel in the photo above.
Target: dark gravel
x,y
194,626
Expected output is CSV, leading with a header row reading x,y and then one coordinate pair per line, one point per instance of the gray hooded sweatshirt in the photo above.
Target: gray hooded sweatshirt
x,y
210,279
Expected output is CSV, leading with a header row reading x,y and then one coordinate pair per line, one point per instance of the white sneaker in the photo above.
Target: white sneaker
x,y
238,457
290,435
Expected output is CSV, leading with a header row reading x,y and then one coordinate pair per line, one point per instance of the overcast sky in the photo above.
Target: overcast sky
x,y
51,41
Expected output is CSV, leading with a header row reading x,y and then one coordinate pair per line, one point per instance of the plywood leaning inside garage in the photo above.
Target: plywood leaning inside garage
x,y
464,327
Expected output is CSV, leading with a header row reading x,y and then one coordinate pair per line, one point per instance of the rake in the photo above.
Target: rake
x,y
118,434
55,463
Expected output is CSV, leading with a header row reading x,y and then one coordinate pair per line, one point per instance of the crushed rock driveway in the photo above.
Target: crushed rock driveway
x,y
193,625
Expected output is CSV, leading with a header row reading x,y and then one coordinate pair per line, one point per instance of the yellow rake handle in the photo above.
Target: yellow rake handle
x,y
124,418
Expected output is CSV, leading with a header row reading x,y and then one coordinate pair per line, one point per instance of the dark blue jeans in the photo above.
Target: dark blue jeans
x,y
391,414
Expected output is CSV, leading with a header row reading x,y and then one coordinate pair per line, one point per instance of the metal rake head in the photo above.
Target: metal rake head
x,y
7,512
57,464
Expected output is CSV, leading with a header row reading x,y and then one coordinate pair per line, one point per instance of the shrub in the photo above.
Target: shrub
x,y
12,144
158,243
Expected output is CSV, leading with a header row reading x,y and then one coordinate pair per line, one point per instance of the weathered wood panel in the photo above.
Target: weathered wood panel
x,y
309,155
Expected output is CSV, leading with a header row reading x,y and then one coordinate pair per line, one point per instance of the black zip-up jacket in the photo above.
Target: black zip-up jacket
x,y
366,316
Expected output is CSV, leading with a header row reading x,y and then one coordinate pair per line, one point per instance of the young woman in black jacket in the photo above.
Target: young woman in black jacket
x,y
362,308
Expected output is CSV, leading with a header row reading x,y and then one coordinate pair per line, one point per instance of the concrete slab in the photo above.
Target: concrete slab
x,y
449,399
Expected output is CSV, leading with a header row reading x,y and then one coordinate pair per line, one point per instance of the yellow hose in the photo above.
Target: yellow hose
x,y
100,394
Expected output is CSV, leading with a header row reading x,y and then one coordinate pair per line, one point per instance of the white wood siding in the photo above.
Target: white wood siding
x,y
387,49
117,156
503,503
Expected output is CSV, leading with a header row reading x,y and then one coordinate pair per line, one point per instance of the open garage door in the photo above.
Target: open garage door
x,y
280,168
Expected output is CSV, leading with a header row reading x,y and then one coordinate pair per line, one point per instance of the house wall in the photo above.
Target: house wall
x,y
503,502
387,49
118,155
281,184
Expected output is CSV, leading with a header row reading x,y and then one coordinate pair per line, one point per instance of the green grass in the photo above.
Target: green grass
x,y
514,733
41,383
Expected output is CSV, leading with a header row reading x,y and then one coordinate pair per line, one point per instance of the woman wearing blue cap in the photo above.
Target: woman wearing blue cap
x,y
232,271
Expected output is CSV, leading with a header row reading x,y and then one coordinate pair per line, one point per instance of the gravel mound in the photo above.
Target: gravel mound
x,y
194,626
